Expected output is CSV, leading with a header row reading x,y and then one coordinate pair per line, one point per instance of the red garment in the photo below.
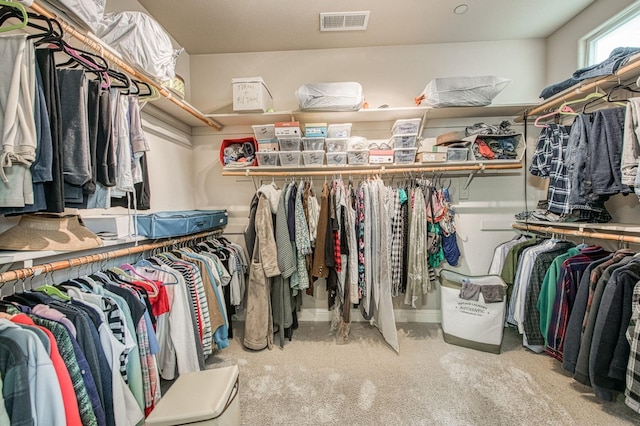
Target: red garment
x,y
71,411
158,297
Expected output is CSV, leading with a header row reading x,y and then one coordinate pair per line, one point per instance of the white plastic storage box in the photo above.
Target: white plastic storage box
x,y
287,129
265,145
404,155
380,156
290,158
264,131
404,140
336,144
336,158
289,144
313,144
208,397
339,130
270,159
457,154
360,157
251,95
313,158
406,126
109,226
315,130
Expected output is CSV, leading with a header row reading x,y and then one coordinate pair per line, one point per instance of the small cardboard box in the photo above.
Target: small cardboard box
x,y
287,129
251,95
266,145
380,156
432,157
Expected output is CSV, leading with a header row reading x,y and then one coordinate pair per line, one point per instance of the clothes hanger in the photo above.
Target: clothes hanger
x,y
590,96
563,109
17,7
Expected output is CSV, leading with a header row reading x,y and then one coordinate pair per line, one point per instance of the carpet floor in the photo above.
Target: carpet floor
x,y
314,381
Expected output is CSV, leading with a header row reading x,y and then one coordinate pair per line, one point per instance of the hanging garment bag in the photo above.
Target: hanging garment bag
x,y
473,310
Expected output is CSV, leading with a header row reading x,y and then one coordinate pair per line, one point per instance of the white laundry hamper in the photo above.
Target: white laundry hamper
x,y
208,397
469,323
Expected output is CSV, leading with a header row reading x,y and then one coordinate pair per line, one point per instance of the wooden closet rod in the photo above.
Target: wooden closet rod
x,y
20,274
576,233
67,28
622,74
369,171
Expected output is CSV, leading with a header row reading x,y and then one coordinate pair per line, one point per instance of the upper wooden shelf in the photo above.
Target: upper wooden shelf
x,y
368,115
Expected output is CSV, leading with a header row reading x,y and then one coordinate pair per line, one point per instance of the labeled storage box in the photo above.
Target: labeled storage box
x,y
264,131
270,159
360,157
457,154
404,140
336,144
404,155
266,145
313,144
290,158
339,130
289,144
432,157
207,397
406,126
313,158
251,95
287,129
315,130
336,158
177,223
380,156
476,323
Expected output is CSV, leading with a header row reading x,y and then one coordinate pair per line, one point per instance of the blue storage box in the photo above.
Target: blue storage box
x,y
177,223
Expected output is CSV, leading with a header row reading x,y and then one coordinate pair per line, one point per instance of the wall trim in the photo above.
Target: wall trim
x,y
157,122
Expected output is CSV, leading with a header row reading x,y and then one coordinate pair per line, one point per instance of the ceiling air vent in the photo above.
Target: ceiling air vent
x,y
344,21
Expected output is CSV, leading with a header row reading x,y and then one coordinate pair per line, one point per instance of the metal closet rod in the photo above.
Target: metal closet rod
x,y
20,274
621,74
577,233
69,29
370,171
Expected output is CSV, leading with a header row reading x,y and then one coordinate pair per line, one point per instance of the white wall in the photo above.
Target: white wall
x,y
564,45
389,75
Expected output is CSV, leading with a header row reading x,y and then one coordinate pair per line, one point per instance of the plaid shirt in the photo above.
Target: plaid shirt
x,y
549,162
397,258
567,289
632,390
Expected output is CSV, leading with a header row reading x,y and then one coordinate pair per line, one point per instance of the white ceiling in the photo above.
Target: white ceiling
x,y
228,26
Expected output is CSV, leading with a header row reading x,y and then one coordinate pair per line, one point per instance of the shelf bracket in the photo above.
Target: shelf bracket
x,y
472,175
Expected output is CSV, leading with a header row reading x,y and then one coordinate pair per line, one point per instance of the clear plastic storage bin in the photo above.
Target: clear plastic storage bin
x,y
336,144
404,155
267,158
411,125
359,157
313,158
336,158
290,158
264,131
289,144
404,140
339,130
457,154
313,144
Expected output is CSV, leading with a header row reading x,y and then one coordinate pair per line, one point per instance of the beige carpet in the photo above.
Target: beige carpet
x,y
314,381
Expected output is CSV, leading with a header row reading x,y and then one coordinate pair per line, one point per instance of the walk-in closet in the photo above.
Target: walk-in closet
x,y
243,213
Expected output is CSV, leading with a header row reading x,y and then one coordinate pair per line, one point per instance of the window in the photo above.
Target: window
x,y
621,31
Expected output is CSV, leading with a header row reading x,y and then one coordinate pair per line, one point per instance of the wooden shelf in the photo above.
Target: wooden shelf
x,y
603,231
625,74
371,169
367,115
172,104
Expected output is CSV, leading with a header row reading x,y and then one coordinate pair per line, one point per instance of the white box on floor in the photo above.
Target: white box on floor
x,y
208,397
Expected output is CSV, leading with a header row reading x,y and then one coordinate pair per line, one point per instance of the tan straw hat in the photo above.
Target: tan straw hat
x,y
47,231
